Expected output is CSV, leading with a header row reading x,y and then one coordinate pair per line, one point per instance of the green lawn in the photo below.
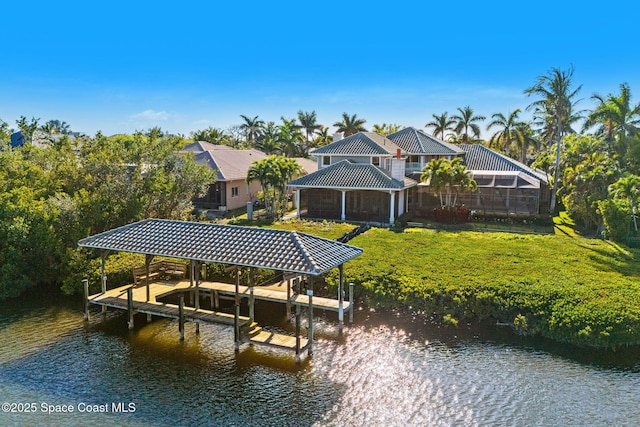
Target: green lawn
x,y
570,289
327,230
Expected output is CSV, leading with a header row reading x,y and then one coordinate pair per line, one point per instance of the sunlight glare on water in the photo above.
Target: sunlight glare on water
x,y
382,373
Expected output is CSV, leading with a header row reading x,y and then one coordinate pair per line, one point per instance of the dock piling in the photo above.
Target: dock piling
x,y
310,331
181,317
351,303
85,286
130,306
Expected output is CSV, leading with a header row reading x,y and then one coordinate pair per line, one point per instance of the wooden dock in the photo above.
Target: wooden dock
x,y
134,300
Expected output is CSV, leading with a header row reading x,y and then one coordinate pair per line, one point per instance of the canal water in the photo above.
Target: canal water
x,y
388,370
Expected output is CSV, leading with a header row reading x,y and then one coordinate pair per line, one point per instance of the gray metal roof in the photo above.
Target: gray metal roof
x,y
352,176
360,144
227,244
480,158
416,141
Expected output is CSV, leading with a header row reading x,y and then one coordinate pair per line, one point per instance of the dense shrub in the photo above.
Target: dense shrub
x,y
577,290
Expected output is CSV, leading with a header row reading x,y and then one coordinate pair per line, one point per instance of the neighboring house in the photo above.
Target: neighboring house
x,y
360,177
230,191
374,178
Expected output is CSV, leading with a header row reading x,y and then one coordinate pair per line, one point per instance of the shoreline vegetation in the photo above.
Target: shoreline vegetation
x,y
573,290
570,289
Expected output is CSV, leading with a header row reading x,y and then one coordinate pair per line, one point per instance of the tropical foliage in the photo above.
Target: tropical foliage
x,y
350,125
441,124
580,291
273,173
448,179
52,196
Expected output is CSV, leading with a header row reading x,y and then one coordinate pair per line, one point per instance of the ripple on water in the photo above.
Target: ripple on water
x,y
379,374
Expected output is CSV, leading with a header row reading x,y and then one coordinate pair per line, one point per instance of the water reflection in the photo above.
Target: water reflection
x,y
386,370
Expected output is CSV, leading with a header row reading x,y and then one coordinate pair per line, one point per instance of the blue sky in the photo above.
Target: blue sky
x,y
122,66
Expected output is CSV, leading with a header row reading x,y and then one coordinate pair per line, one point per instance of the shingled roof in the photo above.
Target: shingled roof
x,y
360,144
352,176
480,158
282,250
415,141
229,163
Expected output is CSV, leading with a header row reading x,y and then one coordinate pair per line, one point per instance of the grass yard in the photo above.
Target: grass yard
x,y
571,289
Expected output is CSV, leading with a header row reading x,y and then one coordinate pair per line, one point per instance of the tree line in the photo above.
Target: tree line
x,y
53,195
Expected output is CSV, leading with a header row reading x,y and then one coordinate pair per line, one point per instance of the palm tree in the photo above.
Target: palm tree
x,y
434,173
290,138
269,145
441,124
450,177
350,124
56,127
508,133
556,104
252,128
273,173
308,122
628,187
386,129
528,140
615,115
467,120
322,137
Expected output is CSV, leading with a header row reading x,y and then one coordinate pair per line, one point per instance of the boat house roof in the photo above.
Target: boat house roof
x,y
282,250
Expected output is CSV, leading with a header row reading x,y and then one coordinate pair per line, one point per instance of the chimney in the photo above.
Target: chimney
x,y
398,166
338,136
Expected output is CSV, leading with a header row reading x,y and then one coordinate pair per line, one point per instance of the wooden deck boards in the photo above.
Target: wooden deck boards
x,y
117,298
277,340
273,295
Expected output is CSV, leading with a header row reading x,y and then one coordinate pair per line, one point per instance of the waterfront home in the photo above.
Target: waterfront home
x,y
370,177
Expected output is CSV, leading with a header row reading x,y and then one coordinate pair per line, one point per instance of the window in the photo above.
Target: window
x,y
375,161
326,160
234,191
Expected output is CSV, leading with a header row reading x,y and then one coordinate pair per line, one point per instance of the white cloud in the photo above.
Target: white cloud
x,y
152,115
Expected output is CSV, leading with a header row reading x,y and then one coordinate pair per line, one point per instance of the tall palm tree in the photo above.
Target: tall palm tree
x,y
467,120
350,124
441,124
615,115
528,141
308,122
290,138
557,103
508,133
252,128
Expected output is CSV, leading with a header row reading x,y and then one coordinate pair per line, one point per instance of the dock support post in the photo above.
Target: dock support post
x,y
147,261
288,304
297,334
216,300
103,276
197,296
351,303
252,300
85,286
310,331
341,298
236,316
130,306
181,317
